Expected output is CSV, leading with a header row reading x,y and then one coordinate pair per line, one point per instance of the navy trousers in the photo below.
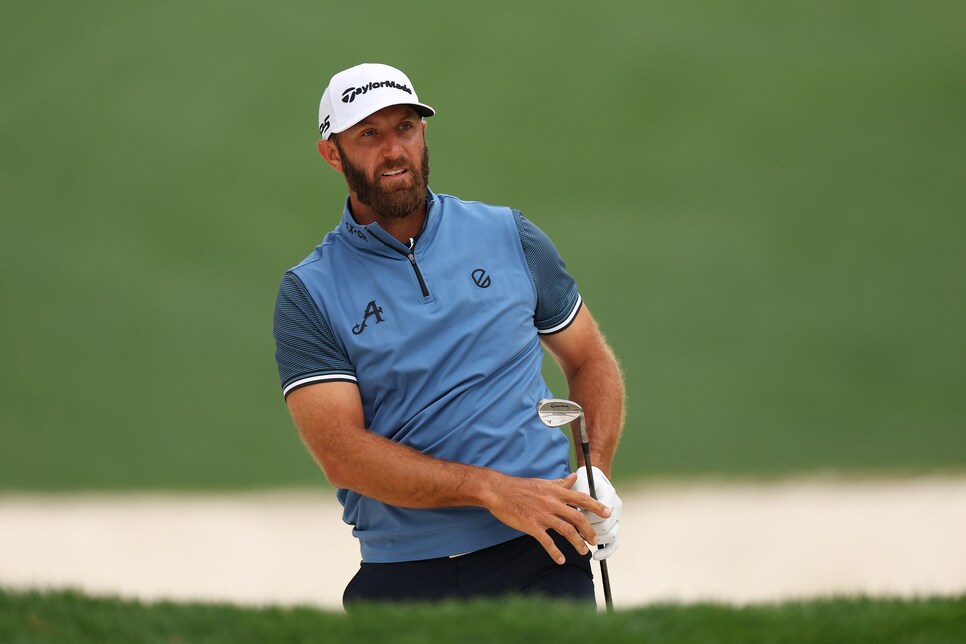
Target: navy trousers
x,y
520,567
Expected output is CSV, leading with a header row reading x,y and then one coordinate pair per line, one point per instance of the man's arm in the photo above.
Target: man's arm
x,y
330,420
595,382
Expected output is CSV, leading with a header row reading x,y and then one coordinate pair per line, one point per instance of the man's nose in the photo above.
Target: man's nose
x,y
392,146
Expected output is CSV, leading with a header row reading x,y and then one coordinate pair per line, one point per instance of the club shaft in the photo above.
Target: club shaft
x,y
604,575
585,448
605,581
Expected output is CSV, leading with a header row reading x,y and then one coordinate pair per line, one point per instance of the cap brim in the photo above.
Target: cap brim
x,y
421,109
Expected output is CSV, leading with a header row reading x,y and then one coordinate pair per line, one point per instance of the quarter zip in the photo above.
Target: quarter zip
x,y
412,261
411,256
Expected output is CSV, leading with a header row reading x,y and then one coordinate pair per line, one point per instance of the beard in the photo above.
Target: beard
x,y
397,203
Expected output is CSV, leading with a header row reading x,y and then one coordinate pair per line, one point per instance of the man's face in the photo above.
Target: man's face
x,y
386,162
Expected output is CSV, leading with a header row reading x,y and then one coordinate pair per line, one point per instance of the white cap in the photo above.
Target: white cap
x,y
357,92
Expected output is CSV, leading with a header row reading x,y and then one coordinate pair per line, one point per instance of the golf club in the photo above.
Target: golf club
x,y
555,412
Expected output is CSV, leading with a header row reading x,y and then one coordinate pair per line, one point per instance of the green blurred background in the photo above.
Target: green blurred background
x,y
762,202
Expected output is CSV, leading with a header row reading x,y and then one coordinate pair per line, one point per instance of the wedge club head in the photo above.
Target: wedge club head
x,y
556,412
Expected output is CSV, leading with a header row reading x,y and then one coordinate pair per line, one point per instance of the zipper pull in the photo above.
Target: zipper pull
x,y
412,251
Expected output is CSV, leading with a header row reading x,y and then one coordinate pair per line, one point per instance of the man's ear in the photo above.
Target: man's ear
x,y
330,154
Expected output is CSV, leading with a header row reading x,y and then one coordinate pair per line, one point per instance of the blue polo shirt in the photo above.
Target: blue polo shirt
x,y
441,336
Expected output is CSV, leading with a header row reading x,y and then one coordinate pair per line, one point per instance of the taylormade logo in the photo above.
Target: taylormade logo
x,y
350,94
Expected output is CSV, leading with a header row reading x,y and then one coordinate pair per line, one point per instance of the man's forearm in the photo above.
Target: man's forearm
x,y
381,469
598,387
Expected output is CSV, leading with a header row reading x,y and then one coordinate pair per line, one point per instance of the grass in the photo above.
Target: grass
x,y
69,616
761,203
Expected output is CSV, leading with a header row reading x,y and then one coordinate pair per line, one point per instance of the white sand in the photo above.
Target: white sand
x,y
735,543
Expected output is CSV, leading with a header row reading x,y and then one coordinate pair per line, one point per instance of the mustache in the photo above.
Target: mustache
x,y
399,162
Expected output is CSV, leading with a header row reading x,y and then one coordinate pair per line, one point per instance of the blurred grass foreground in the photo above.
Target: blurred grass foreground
x,y
70,617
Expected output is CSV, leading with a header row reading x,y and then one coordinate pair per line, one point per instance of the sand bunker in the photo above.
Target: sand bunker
x,y
732,542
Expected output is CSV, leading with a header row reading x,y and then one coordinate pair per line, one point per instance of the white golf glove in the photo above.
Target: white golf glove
x,y
608,528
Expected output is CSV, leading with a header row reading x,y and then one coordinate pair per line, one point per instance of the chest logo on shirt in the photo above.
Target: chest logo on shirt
x,y
372,310
481,279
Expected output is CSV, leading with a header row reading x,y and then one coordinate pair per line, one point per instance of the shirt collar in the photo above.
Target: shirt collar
x,y
373,238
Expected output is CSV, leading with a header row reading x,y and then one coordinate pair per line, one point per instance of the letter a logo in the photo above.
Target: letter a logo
x,y
372,310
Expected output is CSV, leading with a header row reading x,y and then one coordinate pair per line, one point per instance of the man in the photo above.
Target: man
x,y
409,349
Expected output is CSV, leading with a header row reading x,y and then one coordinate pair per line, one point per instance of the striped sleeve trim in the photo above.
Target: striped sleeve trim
x,y
310,380
567,321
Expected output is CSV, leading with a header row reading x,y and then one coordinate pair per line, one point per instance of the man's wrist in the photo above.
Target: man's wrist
x,y
483,486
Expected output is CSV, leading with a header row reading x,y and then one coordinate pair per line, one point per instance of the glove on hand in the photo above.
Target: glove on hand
x,y
608,528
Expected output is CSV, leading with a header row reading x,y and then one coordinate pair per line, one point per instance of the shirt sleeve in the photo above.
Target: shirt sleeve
x,y
558,300
305,349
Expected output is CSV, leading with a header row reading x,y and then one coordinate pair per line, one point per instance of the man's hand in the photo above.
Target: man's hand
x,y
606,527
537,505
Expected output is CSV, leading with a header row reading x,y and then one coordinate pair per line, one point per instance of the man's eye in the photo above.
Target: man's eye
x,y
406,126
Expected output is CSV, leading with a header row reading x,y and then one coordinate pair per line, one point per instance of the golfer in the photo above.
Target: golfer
x,y
409,346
